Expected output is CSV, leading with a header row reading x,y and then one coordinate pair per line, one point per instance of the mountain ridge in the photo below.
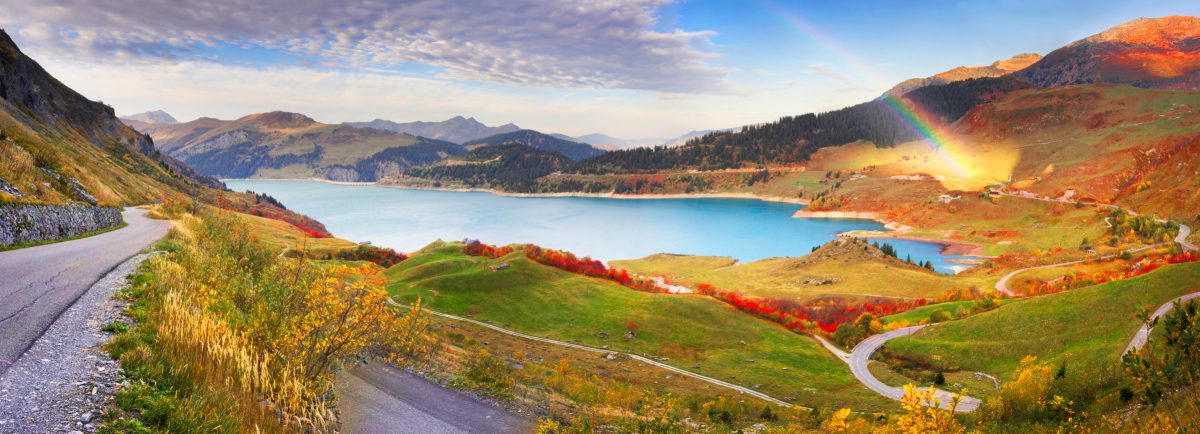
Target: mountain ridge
x,y
571,149
995,69
457,129
1145,52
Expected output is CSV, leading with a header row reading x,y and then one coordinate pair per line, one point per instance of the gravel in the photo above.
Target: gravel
x,y
65,380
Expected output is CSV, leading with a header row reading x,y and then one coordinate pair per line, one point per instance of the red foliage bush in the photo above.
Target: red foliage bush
x,y
824,315
565,261
1079,280
269,209
382,256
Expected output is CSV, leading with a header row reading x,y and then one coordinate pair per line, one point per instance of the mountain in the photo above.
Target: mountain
x,y
996,69
1147,52
292,145
793,139
610,143
681,140
57,146
151,117
456,129
571,149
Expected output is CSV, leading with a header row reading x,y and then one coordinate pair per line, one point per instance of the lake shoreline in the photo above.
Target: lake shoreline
x,y
895,231
889,230
752,196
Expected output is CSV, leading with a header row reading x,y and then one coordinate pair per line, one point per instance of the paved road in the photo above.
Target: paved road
x,y
1181,239
377,399
860,356
1143,333
38,283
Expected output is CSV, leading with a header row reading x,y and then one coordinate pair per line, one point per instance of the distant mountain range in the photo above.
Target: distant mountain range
x,y
292,145
456,129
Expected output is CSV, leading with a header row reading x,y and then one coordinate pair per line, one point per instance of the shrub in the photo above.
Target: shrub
x,y
940,316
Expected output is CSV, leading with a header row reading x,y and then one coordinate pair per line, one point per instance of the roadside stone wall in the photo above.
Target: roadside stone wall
x,y
21,223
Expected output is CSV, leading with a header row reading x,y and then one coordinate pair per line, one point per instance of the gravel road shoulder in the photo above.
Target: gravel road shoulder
x,y
65,380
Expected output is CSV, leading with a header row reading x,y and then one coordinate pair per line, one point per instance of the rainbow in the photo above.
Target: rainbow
x,y
954,157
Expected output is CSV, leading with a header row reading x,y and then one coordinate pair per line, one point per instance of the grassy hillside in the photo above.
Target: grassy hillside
x,y
839,269
282,236
692,332
57,146
1085,328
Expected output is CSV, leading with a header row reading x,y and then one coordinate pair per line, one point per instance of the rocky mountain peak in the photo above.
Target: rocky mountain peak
x,y
1171,32
154,117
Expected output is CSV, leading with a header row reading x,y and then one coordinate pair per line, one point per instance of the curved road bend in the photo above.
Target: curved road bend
x,y
38,283
376,398
1143,333
860,356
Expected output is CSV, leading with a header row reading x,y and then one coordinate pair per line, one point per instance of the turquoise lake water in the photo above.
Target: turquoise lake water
x,y
605,229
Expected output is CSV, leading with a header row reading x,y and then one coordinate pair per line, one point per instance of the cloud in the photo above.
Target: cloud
x,y
537,43
825,70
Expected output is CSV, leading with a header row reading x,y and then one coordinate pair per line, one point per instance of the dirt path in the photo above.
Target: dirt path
x,y
642,359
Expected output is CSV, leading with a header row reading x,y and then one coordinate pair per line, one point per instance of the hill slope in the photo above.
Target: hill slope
x,y
688,331
456,129
571,149
1086,328
996,69
843,268
1146,52
291,145
57,146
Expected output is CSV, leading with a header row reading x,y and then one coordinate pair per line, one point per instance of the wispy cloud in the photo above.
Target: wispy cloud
x,y
540,43
824,70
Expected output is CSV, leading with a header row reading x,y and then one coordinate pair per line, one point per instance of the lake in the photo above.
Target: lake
x,y
602,228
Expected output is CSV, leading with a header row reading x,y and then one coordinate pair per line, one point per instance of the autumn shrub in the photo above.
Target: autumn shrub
x,y
381,256
233,338
1166,372
1030,396
565,261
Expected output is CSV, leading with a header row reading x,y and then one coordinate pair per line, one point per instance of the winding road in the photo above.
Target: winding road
x,y
1180,238
38,283
860,356
1143,333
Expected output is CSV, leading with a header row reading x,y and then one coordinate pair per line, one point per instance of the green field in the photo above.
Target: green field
x,y
1086,328
688,331
849,270
922,313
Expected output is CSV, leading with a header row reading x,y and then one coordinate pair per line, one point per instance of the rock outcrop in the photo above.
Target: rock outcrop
x,y
23,223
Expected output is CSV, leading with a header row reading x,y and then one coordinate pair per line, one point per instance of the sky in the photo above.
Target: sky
x,y
628,68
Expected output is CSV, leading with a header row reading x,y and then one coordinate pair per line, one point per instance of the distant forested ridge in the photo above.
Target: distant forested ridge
x,y
790,140
793,139
510,167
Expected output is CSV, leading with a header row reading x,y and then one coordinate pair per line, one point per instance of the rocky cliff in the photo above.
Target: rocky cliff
x,y
23,223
